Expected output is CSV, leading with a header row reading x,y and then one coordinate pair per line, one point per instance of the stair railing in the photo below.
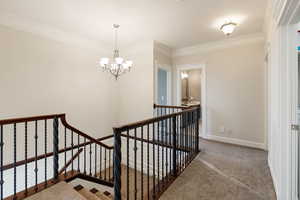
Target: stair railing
x,y
150,154
34,153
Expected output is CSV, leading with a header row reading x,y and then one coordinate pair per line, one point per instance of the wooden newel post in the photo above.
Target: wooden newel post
x,y
117,164
55,148
174,164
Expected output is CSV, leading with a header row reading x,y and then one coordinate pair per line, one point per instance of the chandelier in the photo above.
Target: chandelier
x,y
117,65
228,28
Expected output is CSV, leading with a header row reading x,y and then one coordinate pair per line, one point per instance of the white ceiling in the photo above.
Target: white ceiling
x,y
177,23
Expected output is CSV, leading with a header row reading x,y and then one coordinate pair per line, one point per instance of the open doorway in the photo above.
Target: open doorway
x,y
190,87
191,90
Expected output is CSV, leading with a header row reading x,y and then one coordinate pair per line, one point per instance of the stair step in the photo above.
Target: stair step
x,y
86,193
59,191
103,196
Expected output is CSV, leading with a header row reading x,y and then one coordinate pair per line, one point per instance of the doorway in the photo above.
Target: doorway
x,y
191,90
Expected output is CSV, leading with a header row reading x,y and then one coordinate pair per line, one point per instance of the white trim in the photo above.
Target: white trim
x,y
283,152
203,91
235,141
273,176
222,44
163,49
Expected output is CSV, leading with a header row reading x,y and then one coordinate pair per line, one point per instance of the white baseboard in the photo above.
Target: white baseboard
x,y
236,141
273,177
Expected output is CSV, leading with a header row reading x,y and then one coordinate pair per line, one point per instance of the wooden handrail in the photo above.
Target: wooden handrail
x,y
167,106
70,161
150,120
175,107
65,123
29,119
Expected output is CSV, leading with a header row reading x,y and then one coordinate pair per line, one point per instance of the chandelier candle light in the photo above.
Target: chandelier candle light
x,y
117,65
228,28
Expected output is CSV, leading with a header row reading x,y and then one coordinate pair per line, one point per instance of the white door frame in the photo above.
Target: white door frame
x,y
169,82
180,68
285,62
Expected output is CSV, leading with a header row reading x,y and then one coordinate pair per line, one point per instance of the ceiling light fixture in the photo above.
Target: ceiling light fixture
x,y
228,28
117,66
184,75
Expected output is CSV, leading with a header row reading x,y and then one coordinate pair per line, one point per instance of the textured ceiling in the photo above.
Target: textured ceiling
x,y
172,22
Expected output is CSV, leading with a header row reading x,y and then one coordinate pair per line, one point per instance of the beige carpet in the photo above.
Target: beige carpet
x,y
224,172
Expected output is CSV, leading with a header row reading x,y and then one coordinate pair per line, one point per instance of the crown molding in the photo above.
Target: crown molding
x,y
41,29
162,48
222,44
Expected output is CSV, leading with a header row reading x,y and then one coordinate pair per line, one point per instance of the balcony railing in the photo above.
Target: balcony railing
x,y
145,158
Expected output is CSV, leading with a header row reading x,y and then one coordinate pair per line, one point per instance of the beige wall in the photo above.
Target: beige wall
x,y
235,90
41,76
136,89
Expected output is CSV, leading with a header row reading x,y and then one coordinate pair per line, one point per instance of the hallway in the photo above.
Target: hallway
x,y
224,172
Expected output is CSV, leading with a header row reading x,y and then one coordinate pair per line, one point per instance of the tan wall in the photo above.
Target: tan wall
x,y
136,89
235,90
41,76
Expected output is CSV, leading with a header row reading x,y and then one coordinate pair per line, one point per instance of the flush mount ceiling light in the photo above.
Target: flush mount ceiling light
x,y
228,28
117,65
184,75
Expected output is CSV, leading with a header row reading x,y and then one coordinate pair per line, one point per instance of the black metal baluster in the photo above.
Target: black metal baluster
x,y
95,160
158,156
184,138
190,139
127,170
72,151
26,152
36,153
100,175
194,131
177,140
162,154
78,161
153,151
170,143
174,172
65,151
135,162
142,162
167,149
45,153
55,149
84,156
55,142
1,161
15,159
90,158
104,163
148,185
180,143
109,162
